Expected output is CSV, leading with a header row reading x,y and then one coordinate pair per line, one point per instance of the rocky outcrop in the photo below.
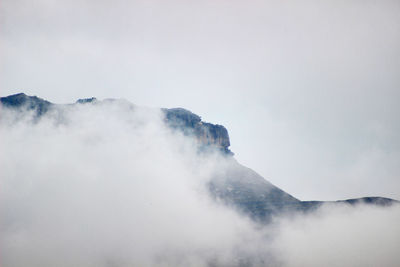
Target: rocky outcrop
x,y
86,100
23,101
207,134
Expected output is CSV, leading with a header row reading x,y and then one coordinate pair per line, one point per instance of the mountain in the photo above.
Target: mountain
x,y
235,185
21,100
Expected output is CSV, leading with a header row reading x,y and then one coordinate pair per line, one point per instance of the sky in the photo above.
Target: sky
x,y
307,90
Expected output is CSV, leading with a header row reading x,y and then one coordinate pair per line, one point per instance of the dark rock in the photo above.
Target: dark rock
x,y
21,100
86,100
181,118
207,134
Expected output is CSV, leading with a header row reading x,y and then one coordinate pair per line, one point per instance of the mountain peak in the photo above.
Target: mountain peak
x,y
191,124
207,135
86,100
22,100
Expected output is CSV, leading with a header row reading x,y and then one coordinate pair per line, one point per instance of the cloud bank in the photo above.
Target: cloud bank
x,y
110,185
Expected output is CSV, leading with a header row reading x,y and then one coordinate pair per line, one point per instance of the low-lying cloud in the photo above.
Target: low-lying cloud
x,y
110,185
341,236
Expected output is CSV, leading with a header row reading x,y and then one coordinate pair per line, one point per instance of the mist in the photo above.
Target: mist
x,y
109,184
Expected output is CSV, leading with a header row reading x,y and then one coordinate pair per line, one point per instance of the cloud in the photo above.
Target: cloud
x,y
109,185
341,236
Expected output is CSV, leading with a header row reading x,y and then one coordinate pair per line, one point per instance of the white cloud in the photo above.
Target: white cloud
x,y
341,236
112,186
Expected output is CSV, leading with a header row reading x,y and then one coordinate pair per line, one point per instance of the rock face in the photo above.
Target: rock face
x,y
235,185
86,100
32,103
206,134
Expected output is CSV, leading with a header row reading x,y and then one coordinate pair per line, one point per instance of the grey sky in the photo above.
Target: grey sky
x,y
308,91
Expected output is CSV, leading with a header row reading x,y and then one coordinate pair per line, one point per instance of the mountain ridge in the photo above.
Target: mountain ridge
x,y
238,186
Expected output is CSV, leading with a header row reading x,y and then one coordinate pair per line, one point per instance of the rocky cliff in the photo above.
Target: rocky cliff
x,y
206,134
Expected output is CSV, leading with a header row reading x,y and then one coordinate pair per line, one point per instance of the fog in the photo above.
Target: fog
x,y
110,185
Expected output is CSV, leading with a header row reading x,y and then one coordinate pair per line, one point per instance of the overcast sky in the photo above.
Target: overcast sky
x,y
308,90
